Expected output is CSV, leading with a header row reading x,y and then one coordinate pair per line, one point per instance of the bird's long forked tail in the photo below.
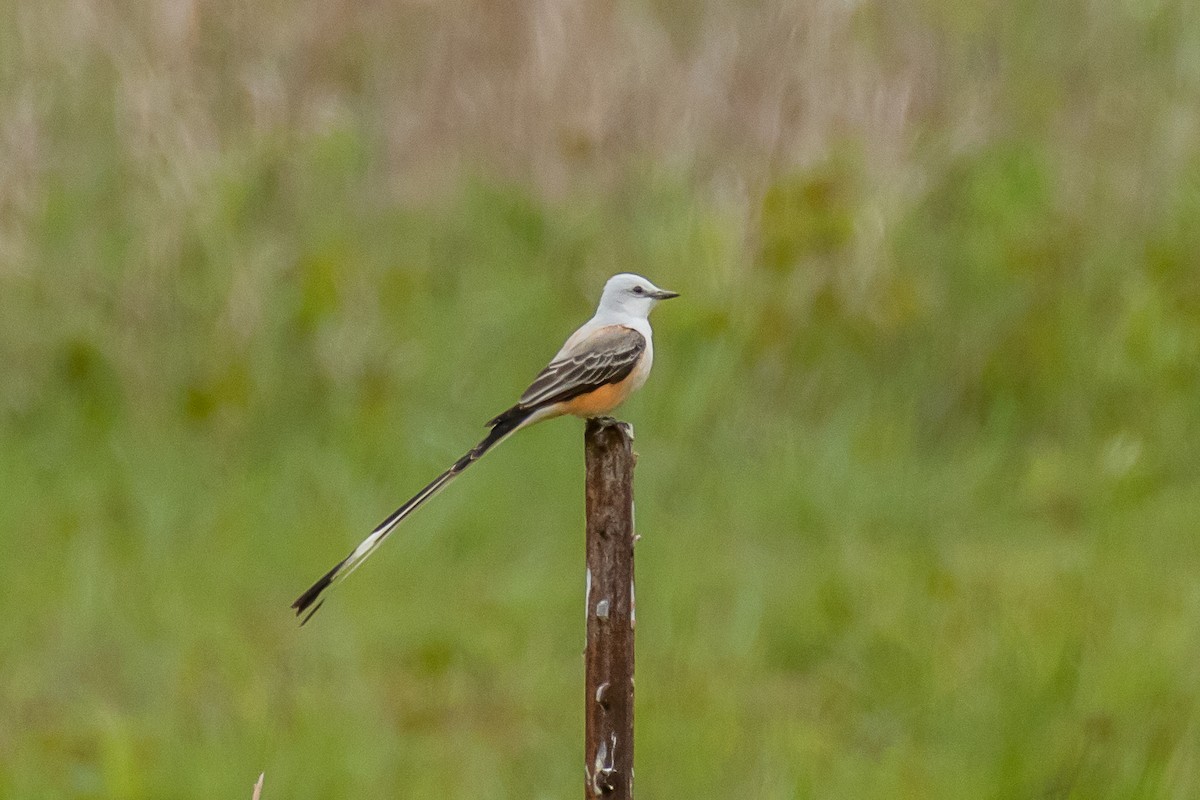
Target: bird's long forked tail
x,y
503,426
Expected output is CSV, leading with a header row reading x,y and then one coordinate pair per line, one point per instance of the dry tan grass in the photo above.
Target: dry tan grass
x,y
567,96
559,95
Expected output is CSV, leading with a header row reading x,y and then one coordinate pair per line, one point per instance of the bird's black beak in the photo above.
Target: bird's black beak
x,y
663,294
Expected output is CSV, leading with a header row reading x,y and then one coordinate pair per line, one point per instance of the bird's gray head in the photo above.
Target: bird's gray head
x,y
631,294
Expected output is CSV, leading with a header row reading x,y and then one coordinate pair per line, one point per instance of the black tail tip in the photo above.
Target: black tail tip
x,y
313,594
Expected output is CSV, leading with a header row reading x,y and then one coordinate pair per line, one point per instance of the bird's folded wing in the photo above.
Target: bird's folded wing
x,y
607,356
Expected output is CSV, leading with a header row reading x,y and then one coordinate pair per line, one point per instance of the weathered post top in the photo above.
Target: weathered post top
x,y
608,659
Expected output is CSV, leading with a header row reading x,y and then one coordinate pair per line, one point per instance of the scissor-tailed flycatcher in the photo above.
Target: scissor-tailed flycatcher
x,y
598,367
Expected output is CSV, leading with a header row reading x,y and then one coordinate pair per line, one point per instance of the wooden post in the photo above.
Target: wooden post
x,y
608,660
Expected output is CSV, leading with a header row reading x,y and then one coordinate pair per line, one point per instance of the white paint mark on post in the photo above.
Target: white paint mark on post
x,y
632,607
587,595
603,767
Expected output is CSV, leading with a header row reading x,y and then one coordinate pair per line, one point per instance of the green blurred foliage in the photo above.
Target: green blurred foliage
x,y
917,483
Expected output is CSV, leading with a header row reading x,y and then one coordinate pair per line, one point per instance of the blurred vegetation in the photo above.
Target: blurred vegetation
x,y
918,482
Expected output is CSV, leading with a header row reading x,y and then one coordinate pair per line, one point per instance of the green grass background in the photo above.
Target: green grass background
x,y
918,481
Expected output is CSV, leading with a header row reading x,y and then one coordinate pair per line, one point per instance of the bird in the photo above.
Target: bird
x,y
604,361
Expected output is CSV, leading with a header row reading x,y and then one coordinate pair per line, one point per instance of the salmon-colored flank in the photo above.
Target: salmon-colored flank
x,y
600,401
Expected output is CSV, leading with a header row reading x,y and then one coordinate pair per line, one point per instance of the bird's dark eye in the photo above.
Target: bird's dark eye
x,y
638,290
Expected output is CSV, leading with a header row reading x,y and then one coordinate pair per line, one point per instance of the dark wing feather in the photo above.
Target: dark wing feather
x,y
608,357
